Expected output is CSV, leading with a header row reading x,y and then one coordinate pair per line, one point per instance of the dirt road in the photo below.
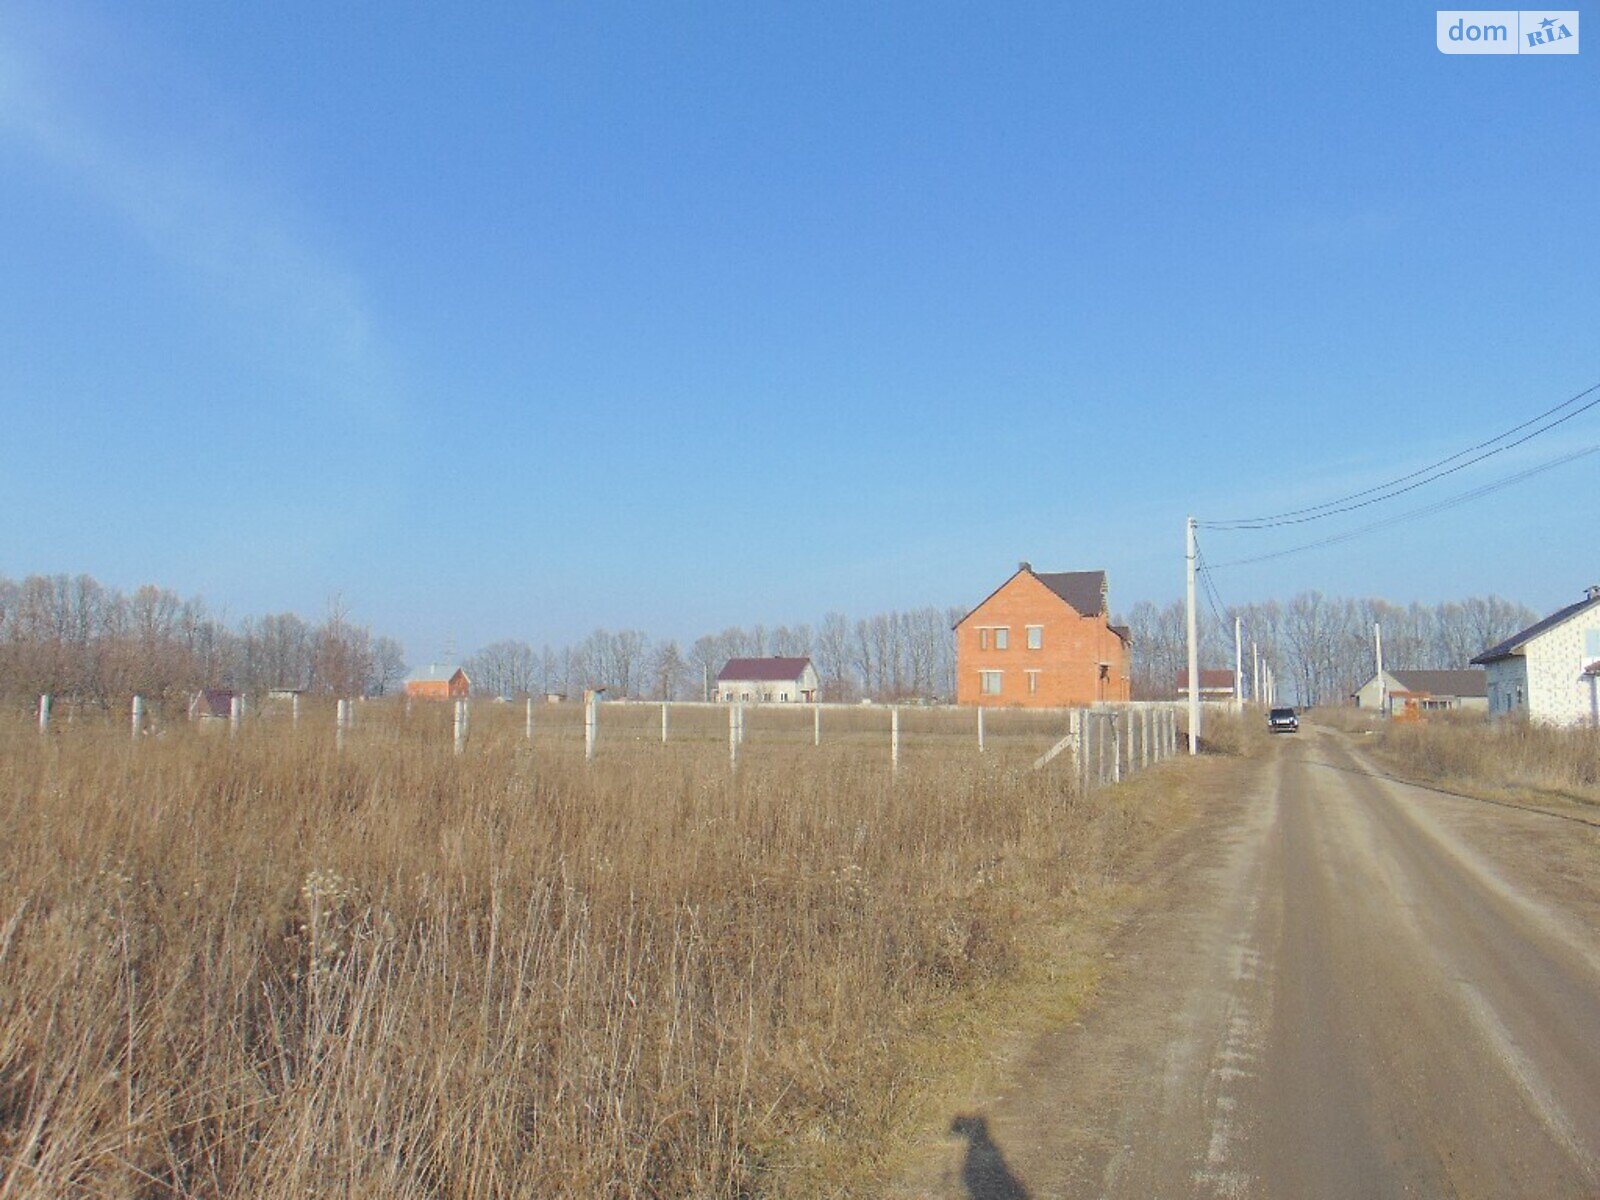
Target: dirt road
x,y
1348,987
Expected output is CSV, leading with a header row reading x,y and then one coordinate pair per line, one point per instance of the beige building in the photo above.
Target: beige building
x,y
1424,691
774,680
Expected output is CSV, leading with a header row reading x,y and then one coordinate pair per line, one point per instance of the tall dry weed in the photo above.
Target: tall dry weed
x,y
262,968
1474,751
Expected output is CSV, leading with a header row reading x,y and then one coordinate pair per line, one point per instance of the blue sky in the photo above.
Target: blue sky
x,y
522,322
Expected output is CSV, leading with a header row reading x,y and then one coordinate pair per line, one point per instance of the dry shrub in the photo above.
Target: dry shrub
x,y
1239,734
261,968
1473,751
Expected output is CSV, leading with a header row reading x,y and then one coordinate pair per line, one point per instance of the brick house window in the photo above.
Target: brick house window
x,y
1002,638
983,639
989,682
1033,683
1035,637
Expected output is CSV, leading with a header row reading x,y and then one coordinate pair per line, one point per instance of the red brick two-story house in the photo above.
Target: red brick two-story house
x,y
1043,640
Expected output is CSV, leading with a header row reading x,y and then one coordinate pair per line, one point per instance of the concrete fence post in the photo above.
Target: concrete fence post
x,y
1116,747
461,726
529,721
816,724
591,723
341,718
138,717
980,729
663,722
894,737
44,713
294,709
235,714
733,736
1080,720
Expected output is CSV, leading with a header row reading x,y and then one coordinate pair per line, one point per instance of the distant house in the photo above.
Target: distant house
x,y
774,680
1216,683
1544,671
1421,692
211,704
1043,640
434,682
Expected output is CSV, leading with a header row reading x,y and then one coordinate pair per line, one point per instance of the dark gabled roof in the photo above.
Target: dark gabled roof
x,y
1085,591
1123,632
1444,683
211,702
776,669
1515,642
1211,679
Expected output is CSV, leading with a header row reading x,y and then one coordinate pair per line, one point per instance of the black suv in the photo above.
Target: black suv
x,y
1283,720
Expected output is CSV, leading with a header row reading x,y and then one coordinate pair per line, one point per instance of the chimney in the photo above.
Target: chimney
x,y
1025,565
1593,591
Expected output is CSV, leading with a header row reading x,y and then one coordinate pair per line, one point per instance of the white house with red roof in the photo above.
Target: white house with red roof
x,y
774,680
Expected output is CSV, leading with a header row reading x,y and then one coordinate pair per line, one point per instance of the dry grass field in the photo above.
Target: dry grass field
x,y
1507,757
261,967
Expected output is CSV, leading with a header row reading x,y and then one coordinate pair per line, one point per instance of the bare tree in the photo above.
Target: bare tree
x,y
667,670
388,666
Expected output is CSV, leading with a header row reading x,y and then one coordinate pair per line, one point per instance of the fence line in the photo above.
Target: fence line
x,y
1100,744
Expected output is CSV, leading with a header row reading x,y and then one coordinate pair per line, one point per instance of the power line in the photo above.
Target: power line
x,y
1213,597
1419,478
1426,510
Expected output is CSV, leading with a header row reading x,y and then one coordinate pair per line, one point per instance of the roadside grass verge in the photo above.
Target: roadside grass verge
x,y
258,967
1503,759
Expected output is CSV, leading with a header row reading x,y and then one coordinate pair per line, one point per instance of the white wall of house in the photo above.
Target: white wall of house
x,y
771,691
1508,685
1558,694
1367,696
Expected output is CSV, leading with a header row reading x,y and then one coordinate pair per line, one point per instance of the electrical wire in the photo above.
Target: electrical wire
x,y
1209,587
1419,478
1426,510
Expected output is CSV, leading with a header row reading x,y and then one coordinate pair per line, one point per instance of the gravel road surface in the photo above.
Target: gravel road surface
x,y
1344,986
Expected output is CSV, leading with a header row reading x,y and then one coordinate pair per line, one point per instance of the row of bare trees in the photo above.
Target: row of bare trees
x,y
890,656
73,637
1320,647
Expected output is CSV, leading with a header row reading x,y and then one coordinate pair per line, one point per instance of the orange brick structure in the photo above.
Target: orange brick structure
x,y
1043,641
439,683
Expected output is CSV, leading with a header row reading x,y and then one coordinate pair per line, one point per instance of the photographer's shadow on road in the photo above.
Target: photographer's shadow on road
x,y
983,1168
